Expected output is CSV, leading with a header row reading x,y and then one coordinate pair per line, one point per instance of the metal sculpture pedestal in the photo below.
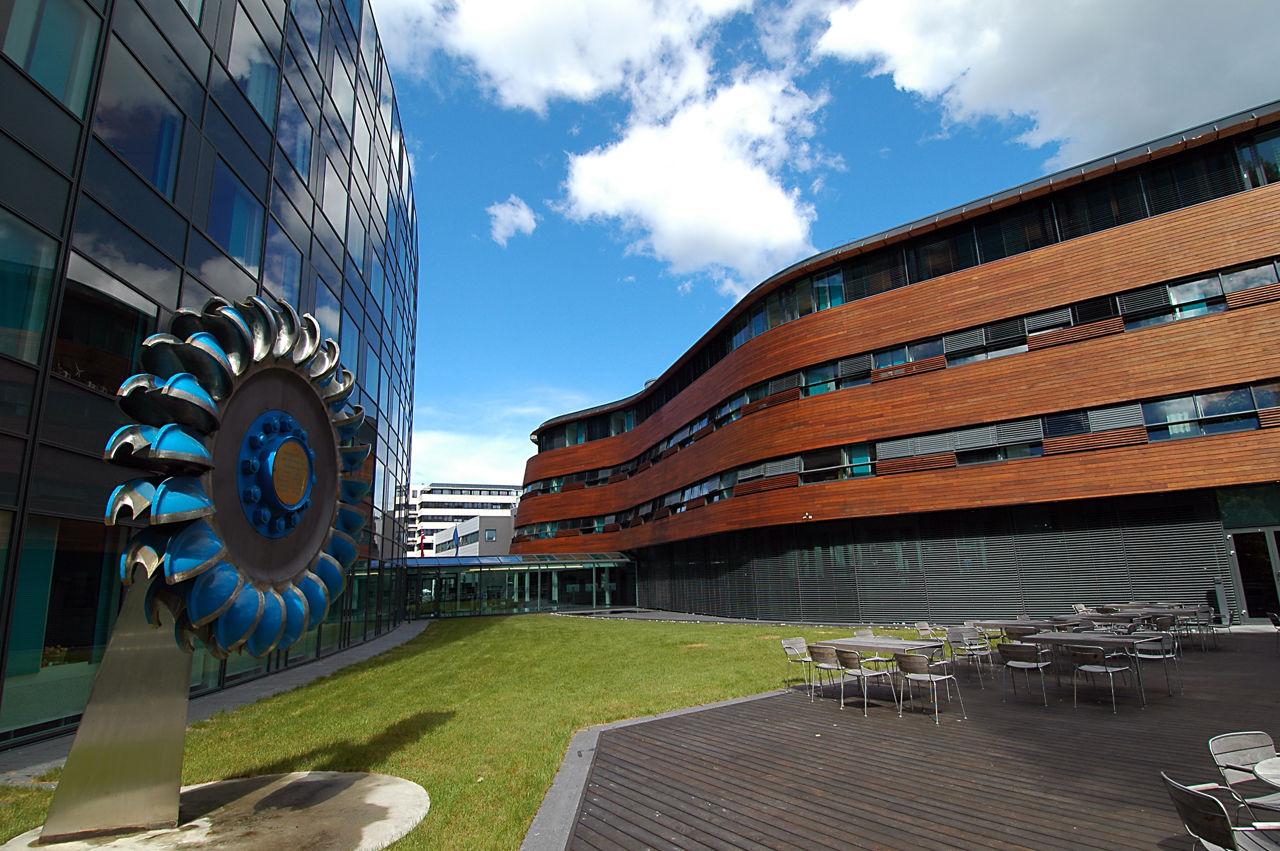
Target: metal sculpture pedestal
x,y
124,771
277,812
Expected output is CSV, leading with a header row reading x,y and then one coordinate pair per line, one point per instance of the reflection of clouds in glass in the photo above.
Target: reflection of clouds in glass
x,y
248,53
328,313
159,283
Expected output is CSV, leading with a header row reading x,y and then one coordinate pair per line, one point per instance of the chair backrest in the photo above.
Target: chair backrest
x,y
1245,749
912,663
823,655
1079,608
1085,655
1084,624
1165,644
795,648
1202,815
850,660
1016,632
963,634
1163,623
1012,651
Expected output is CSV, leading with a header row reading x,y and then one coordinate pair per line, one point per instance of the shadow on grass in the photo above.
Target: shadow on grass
x,y
359,755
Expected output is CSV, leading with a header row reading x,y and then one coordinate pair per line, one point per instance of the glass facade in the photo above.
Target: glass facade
x,y
163,152
455,586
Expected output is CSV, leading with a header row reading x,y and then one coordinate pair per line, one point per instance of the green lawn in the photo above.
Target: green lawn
x,y
477,710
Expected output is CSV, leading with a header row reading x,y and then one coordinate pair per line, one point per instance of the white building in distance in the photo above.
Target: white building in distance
x,y
439,506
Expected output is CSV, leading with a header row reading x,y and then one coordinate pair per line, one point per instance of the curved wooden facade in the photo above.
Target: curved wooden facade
x,y
1085,369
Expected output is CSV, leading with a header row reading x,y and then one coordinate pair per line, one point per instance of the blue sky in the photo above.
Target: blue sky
x,y
599,180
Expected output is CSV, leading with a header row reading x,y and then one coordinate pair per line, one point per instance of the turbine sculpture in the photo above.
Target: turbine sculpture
x,y
248,456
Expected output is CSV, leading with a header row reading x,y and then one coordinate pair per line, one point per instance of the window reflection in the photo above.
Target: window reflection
x,y
100,328
334,200
64,608
253,67
55,41
282,271
328,311
137,120
26,273
310,21
294,133
235,219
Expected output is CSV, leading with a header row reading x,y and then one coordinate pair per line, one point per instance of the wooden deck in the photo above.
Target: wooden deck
x,y
782,772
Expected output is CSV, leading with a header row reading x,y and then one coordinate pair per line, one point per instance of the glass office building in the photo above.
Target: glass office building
x,y
156,153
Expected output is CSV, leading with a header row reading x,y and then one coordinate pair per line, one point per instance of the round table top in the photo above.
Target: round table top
x,y
1269,770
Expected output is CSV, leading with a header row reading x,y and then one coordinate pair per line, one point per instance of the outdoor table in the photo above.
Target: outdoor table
x,y
1029,622
1105,640
893,645
1268,771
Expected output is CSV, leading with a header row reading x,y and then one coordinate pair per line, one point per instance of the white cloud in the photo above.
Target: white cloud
x,y
481,438
684,287
703,190
508,218
1094,75
572,49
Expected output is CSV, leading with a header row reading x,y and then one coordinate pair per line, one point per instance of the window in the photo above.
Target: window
x,y
282,269
355,240
820,379
924,350
837,462
193,9
311,22
1266,395
891,357
294,133
100,328
1011,452
1248,278
828,290
344,95
490,535
334,200
1205,413
26,274
328,310
56,42
235,219
137,119
253,67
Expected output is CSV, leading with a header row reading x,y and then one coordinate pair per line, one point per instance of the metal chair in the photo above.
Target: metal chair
x,y
1206,819
925,631
967,643
1025,658
1275,622
1161,648
1091,661
852,664
824,660
1236,754
798,651
1079,608
1014,633
917,668
868,632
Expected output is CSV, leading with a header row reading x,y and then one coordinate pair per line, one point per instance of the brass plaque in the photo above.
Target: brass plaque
x,y
289,472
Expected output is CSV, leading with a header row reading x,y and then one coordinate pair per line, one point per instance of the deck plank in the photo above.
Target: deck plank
x,y
785,772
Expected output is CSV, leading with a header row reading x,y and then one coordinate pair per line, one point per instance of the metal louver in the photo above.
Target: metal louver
x,y
975,438
964,341
933,443
752,472
1066,424
1022,431
786,382
1151,298
857,365
1005,332
902,448
782,466
1119,416
1048,319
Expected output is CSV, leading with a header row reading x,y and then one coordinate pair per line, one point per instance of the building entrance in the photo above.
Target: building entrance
x,y
1255,555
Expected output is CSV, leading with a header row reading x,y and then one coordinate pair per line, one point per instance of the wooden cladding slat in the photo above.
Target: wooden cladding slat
x,y
1257,295
615,478
1269,418
1237,229
913,368
1191,464
1076,333
572,486
936,461
703,432
1171,359
772,483
1096,440
567,533
611,527
772,400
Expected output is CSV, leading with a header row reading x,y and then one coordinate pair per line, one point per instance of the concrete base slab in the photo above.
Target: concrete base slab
x,y
305,809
